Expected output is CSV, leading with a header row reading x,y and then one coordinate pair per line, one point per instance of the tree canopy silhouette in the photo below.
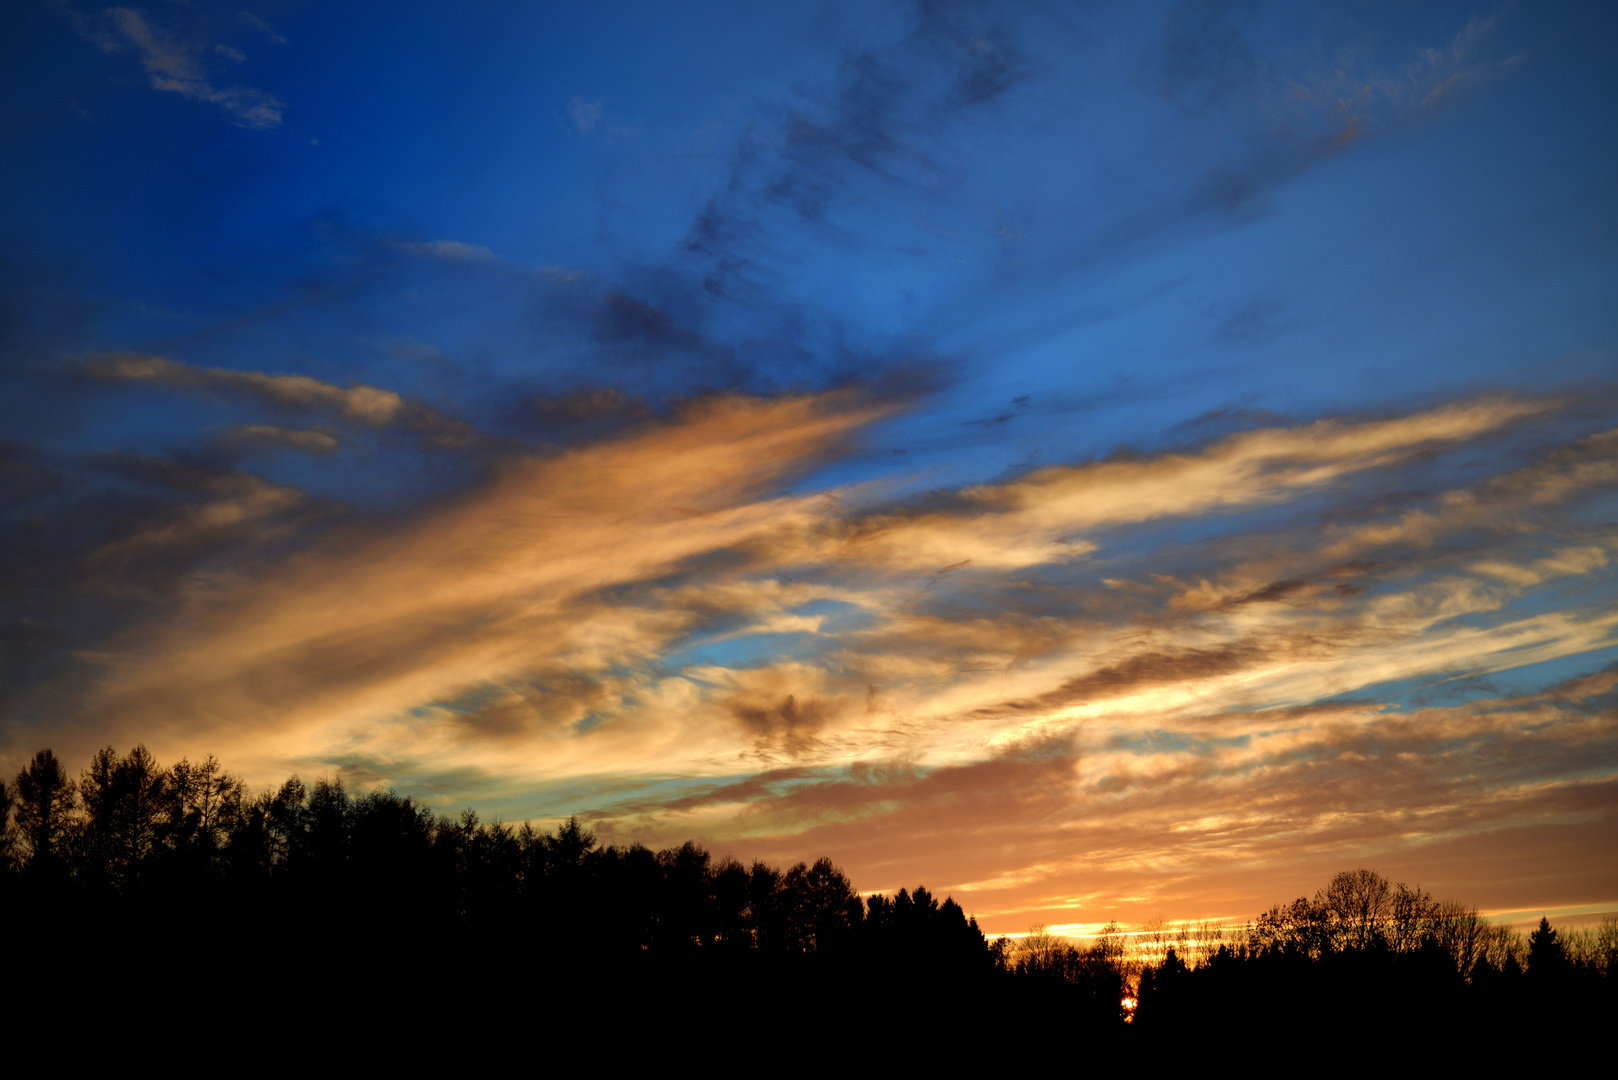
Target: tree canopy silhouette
x,y
136,854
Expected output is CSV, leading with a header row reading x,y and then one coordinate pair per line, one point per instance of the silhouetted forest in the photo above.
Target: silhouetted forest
x,y
145,891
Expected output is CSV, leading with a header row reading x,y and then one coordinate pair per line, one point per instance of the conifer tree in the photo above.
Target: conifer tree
x,y
1545,952
45,799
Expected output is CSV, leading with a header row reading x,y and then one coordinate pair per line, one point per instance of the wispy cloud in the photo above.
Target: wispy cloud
x,y
247,18
312,440
177,66
449,249
585,114
231,502
1355,96
368,405
1055,513
1438,75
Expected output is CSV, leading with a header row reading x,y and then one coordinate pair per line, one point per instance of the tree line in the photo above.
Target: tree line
x,y
129,834
384,889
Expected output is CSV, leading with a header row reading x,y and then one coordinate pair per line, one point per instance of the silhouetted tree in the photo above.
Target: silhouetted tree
x,y
1109,947
1161,994
567,852
1412,916
684,919
732,927
822,907
1358,902
323,843
914,932
7,836
766,909
1042,954
96,840
45,799
1545,953
124,801
286,820
206,803
1303,926
408,895
1463,933
494,876
1606,947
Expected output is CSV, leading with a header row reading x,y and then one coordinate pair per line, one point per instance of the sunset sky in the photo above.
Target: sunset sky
x,y
1097,461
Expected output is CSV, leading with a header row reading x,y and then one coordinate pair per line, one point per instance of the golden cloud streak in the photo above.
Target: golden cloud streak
x,y
497,586
528,636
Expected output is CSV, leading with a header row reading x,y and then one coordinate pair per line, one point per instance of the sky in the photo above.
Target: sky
x,y
1102,461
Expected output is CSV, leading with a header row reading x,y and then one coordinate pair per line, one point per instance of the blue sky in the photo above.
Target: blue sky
x,y
852,397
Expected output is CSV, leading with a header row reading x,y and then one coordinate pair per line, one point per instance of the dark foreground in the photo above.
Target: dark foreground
x,y
149,904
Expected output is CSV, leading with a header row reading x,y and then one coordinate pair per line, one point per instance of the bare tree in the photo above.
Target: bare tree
x,y
7,836
1604,947
1154,939
1463,933
1359,903
1305,925
1041,952
1411,915
1111,948
1503,948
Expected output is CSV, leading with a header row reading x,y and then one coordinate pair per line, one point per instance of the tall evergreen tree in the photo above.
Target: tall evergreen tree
x,y
205,802
1546,955
125,802
45,799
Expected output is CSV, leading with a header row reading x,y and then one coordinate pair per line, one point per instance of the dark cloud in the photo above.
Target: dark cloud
x,y
880,121
1153,668
1204,55
548,702
623,319
89,545
1336,579
1220,422
929,802
1254,323
888,106
591,411
787,723
876,123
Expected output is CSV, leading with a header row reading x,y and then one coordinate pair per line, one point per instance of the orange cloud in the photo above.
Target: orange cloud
x,y
648,630
374,628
